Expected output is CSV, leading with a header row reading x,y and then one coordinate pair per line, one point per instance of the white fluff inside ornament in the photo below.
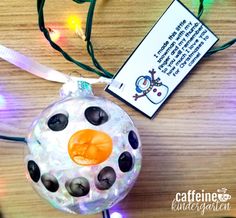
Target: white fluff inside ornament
x,y
84,154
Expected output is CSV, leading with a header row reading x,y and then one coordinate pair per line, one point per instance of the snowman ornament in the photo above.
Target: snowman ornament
x,y
84,152
154,90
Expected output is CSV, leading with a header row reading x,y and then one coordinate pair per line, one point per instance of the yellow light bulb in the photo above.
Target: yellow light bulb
x,y
75,25
74,22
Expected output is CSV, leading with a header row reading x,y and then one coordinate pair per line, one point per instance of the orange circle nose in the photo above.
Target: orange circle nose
x,y
89,147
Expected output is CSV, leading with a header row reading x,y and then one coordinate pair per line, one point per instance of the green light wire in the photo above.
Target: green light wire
x,y
217,49
106,214
220,48
99,69
13,138
88,31
200,9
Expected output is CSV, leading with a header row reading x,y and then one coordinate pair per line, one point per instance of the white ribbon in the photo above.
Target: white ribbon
x,y
37,69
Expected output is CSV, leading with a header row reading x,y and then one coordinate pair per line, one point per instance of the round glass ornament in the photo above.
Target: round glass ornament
x,y
84,152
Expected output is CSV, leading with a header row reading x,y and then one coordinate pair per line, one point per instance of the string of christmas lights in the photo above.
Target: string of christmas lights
x,y
99,69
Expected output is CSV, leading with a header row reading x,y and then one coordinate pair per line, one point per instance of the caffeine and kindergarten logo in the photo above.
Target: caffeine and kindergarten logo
x,y
202,201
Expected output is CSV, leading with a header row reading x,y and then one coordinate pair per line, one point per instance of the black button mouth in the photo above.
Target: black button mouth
x,y
106,178
125,162
33,170
78,187
50,182
133,139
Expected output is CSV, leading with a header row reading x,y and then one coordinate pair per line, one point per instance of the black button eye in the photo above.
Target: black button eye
x,y
58,122
106,178
34,171
96,115
78,187
125,162
133,139
50,182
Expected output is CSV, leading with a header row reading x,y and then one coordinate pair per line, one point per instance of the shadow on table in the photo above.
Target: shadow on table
x,y
1,214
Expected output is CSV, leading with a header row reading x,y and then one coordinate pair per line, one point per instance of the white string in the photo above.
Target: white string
x,y
37,69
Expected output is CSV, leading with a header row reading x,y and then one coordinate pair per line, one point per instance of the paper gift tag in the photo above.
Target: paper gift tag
x,y
166,55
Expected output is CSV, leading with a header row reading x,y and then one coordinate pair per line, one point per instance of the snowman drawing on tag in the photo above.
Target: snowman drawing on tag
x,y
152,88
